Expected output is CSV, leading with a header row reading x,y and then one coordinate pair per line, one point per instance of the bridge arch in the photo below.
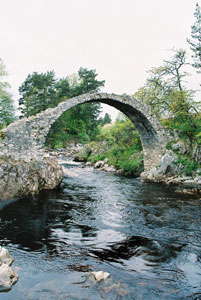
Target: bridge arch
x,y
25,138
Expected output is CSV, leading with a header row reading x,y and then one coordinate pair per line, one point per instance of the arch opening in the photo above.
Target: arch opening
x,y
32,132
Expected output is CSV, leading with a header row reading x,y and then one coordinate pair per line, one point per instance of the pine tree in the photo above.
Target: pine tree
x,y
195,42
7,110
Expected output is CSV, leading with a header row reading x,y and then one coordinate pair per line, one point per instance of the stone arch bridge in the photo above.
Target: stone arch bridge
x,y
25,138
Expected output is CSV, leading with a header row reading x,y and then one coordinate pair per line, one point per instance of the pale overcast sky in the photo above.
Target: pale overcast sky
x,y
121,39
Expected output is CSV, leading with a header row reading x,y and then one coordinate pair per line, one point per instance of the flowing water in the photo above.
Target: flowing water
x,y
145,235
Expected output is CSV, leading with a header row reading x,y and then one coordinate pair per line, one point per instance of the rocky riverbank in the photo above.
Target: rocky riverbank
x,y
167,172
20,178
170,173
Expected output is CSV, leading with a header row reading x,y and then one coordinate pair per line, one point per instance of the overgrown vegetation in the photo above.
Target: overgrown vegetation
x,y
174,105
120,144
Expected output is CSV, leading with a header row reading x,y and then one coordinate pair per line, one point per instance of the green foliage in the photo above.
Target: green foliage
x,y
164,83
173,104
79,124
38,92
169,100
120,143
189,166
197,119
132,167
87,82
58,145
7,110
195,42
186,160
105,120
2,135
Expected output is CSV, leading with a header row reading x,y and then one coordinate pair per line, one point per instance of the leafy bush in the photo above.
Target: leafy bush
x,y
120,143
132,167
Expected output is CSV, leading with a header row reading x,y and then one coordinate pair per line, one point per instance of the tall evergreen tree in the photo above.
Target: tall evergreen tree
x,y
41,91
7,110
38,92
195,42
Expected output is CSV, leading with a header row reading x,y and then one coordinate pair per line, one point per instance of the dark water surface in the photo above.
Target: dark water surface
x,y
145,235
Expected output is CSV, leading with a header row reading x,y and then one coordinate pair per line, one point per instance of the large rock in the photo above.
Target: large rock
x,y
99,164
197,153
83,154
167,164
5,257
181,147
7,276
167,167
19,178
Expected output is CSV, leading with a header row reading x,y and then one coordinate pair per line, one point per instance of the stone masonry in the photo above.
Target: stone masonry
x,y
25,138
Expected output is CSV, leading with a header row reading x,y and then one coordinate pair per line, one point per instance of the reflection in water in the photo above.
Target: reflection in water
x,y
152,252
145,235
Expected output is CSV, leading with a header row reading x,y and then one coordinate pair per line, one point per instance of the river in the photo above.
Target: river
x,y
147,236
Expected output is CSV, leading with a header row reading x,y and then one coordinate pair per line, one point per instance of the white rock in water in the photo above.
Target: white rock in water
x,y
7,277
99,164
100,275
5,257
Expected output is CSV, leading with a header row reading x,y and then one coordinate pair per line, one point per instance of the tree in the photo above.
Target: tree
x,y
87,82
38,92
195,42
41,91
80,123
105,120
7,110
169,99
163,82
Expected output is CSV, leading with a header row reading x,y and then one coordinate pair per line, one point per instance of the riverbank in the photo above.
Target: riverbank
x,y
164,173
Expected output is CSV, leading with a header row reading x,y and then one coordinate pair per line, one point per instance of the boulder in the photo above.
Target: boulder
x,y
20,178
109,168
83,154
99,164
167,164
50,174
7,276
5,257
166,168
181,147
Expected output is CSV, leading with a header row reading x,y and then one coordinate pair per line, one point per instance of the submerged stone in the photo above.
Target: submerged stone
x,y
100,275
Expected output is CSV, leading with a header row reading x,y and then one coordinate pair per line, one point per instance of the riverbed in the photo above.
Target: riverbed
x,y
147,236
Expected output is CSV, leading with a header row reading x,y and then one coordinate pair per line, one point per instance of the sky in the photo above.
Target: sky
x,y
121,39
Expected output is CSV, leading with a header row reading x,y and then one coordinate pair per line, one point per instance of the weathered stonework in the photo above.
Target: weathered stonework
x,y
25,138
